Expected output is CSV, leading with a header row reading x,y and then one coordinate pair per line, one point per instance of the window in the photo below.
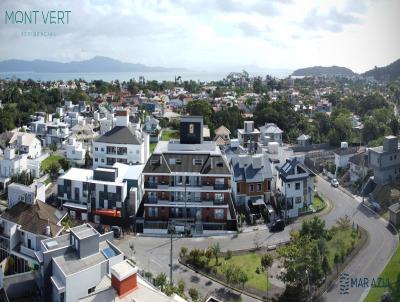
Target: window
x,y
251,188
391,158
259,187
96,159
96,149
102,149
298,199
297,186
197,162
153,212
91,290
172,161
219,214
154,162
102,160
178,161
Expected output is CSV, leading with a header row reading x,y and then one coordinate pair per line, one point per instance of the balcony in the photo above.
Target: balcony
x,y
150,185
4,243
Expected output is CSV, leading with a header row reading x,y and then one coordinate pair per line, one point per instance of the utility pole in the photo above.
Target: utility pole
x,y
171,230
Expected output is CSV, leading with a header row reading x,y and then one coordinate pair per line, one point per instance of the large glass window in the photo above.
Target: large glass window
x,y
219,214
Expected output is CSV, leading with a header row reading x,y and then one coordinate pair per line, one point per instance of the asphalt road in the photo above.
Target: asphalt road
x,y
371,260
152,253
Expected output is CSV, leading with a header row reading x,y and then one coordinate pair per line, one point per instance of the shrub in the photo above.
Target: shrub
x,y
228,255
194,294
183,252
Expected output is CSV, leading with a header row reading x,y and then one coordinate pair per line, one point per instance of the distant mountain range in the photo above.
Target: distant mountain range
x,y
389,72
331,71
96,64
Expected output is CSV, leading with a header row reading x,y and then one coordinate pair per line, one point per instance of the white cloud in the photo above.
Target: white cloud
x,y
209,34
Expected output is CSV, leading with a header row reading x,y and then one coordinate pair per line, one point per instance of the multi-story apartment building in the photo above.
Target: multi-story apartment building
x,y
385,161
124,143
72,265
188,183
103,195
249,137
295,187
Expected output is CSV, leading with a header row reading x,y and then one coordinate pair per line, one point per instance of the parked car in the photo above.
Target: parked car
x,y
117,231
277,226
334,183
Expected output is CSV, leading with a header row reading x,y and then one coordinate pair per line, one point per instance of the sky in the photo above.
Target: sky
x,y
212,35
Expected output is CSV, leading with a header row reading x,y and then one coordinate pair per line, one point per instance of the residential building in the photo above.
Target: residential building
x,y
358,166
125,284
72,265
343,155
108,195
222,136
74,150
152,127
26,143
251,180
249,137
51,133
385,161
295,187
24,224
18,192
270,132
304,140
123,144
188,184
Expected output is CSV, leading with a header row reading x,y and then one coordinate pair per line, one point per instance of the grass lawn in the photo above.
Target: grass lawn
x,y
248,263
169,134
318,203
48,161
344,238
391,271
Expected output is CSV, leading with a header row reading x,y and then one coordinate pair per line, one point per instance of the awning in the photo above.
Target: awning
x,y
107,212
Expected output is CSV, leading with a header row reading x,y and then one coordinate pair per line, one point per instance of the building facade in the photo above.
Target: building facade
x,y
385,161
188,184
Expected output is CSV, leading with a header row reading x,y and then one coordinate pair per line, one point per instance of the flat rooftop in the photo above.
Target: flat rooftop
x,y
84,231
70,263
174,146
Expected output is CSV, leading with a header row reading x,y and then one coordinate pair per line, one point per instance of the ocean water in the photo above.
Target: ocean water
x,y
125,76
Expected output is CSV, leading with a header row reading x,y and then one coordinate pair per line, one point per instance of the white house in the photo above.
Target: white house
x,y
26,143
343,155
74,150
25,224
21,193
295,187
270,132
124,144
75,263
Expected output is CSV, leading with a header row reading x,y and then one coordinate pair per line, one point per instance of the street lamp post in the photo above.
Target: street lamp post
x,y
171,229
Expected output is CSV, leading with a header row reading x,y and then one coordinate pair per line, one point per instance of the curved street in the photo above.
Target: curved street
x,y
152,253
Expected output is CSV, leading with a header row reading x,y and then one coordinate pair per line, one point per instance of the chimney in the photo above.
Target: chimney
x,y
122,117
124,278
48,230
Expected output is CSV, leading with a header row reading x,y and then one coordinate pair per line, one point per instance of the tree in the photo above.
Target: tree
x,y
243,278
53,169
315,228
336,261
87,159
183,252
326,268
209,254
160,281
216,249
266,263
201,108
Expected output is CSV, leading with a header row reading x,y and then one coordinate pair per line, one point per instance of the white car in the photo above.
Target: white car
x,y
334,183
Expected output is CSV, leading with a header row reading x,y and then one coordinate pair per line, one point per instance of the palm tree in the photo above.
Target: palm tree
x,y
266,263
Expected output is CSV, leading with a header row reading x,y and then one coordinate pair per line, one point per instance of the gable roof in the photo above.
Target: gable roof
x,y
288,169
35,218
303,137
250,172
271,128
164,164
120,135
222,130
